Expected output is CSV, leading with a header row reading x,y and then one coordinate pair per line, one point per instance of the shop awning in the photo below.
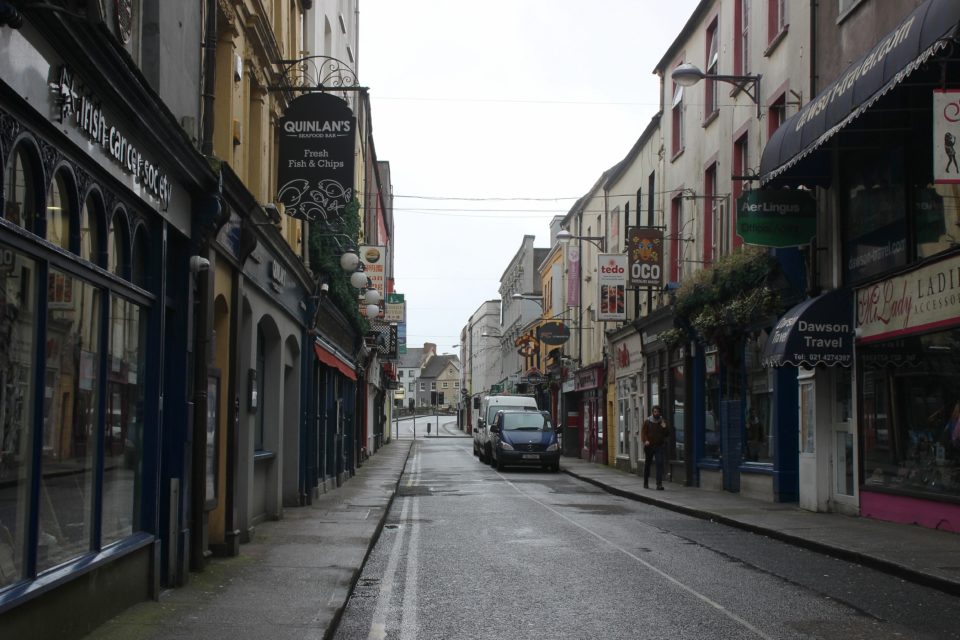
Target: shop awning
x,y
895,57
331,359
818,331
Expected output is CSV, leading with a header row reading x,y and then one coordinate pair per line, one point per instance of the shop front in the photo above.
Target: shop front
x,y
629,408
887,231
588,386
908,373
99,193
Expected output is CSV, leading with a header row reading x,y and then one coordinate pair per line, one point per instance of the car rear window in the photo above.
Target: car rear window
x,y
532,421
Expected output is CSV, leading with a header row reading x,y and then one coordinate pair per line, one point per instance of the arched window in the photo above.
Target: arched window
x,y
58,211
22,204
91,221
139,258
117,244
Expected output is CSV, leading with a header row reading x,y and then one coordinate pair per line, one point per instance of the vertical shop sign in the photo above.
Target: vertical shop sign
x,y
645,256
573,275
946,135
316,158
374,260
612,281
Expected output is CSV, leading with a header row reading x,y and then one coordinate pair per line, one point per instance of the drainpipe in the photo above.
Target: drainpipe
x,y
201,328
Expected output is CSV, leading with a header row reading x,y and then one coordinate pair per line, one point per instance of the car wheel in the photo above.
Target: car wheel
x,y
499,465
556,467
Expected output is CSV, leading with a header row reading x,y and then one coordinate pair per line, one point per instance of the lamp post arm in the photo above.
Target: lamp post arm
x,y
749,84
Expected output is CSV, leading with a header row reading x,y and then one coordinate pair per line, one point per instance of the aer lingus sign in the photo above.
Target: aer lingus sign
x,y
776,217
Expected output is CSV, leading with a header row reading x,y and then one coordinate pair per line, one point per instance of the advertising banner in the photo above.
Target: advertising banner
x,y
946,130
776,217
573,275
316,158
612,282
374,259
645,256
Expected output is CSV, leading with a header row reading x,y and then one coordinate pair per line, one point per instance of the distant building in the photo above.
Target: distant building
x,y
439,384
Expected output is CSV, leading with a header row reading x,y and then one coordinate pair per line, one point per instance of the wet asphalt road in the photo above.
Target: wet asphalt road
x,y
469,552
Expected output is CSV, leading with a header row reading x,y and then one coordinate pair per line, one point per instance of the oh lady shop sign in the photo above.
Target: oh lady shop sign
x,y
925,299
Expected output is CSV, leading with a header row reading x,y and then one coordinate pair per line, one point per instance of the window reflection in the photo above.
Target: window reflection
x,y
58,212
116,245
69,419
90,230
17,344
21,206
123,435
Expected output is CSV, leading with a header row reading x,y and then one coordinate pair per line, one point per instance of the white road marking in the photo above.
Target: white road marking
x,y
378,625
716,605
409,627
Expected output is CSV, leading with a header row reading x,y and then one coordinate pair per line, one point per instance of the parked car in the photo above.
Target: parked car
x,y
524,438
488,409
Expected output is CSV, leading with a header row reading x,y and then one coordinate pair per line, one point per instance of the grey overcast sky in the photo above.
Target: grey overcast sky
x,y
495,116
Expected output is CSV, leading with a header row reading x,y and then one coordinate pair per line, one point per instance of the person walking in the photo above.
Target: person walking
x,y
653,434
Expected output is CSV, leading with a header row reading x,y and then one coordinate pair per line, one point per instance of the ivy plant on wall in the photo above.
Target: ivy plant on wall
x,y
720,305
325,249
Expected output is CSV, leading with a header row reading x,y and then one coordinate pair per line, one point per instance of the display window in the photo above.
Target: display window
x,y
910,416
759,419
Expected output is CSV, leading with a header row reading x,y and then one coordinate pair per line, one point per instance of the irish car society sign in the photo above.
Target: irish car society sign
x,y
776,217
316,163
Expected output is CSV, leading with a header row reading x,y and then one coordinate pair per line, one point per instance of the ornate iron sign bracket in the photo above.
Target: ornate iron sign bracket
x,y
316,73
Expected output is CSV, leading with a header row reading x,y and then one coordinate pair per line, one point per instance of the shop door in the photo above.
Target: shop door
x,y
842,459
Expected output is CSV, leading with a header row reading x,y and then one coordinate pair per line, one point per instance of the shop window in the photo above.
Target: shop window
x,y
874,222
17,366
937,217
70,419
139,259
678,415
124,421
757,430
711,432
90,225
59,211
261,370
910,415
117,245
22,189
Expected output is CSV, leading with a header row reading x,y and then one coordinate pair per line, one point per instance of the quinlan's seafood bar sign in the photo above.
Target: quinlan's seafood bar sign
x,y
315,174
927,298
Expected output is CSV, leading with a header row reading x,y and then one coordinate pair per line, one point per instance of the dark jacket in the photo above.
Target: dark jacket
x,y
654,431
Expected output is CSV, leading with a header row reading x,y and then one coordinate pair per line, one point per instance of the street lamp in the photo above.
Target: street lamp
x,y
689,74
529,296
599,242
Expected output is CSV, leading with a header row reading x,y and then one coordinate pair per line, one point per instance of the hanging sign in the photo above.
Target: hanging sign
x,y
776,217
316,158
645,256
553,333
612,281
946,134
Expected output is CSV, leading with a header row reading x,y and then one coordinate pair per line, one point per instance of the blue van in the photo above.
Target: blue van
x,y
524,438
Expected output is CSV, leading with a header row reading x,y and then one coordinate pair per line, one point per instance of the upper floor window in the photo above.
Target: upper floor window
x,y
776,18
676,114
711,103
710,202
741,52
776,114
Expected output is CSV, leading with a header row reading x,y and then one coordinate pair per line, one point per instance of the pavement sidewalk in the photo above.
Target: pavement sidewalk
x,y
913,553
291,581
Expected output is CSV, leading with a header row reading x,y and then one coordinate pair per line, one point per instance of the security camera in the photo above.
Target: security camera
x,y
198,264
273,212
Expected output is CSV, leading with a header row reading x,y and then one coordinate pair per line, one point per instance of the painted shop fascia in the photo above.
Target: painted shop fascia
x,y
137,141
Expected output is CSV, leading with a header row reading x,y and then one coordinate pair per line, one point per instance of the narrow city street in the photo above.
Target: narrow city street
x,y
469,552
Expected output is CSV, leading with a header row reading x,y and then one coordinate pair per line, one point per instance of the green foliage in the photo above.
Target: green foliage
x,y
325,250
718,305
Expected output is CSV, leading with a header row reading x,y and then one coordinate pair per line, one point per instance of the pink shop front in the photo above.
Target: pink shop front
x,y
588,385
908,379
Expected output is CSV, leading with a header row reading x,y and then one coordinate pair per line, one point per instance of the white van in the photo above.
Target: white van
x,y
488,409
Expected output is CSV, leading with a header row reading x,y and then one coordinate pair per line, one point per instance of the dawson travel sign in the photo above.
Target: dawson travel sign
x,y
776,217
316,158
